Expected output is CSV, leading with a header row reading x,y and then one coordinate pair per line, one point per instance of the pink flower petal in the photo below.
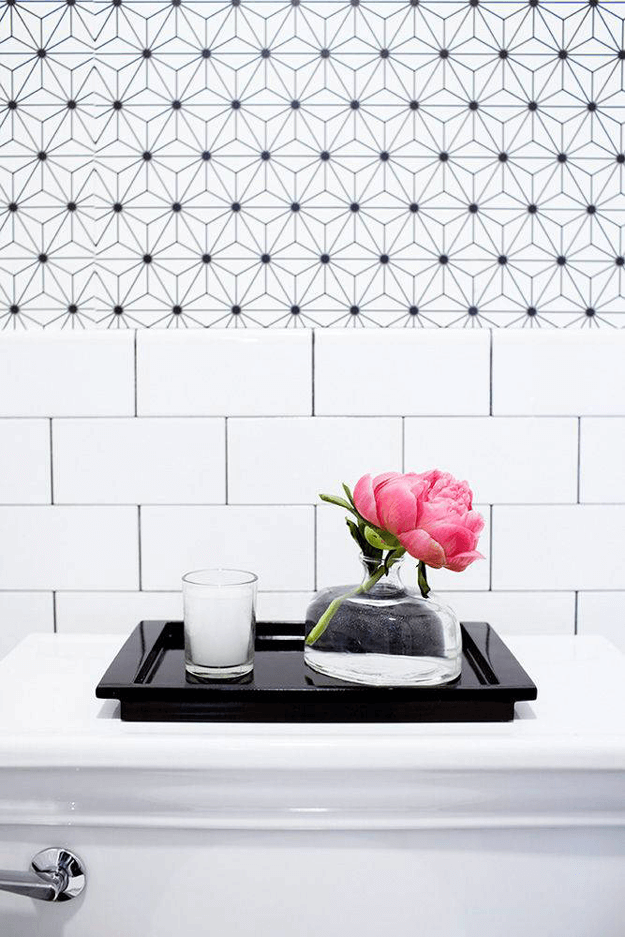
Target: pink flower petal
x,y
364,500
460,562
396,505
422,547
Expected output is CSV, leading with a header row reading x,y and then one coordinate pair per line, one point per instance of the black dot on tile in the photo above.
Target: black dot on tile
x,y
147,156
444,53
354,207
385,156
621,54
206,53
591,106
117,105
325,258
532,106
265,155
443,259
354,105
502,259
562,157
12,206
413,207
413,310
325,53
147,53
354,310
206,155
206,258
532,208
42,258
235,310
295,310
561,260
473,208
147,258
384,258
12,105
324,155
71,206
42,155
563,54
620,157
619,261
176,207
236,104
266,258
236,206
295,206
118,310
41,53
176,310
265,53
72,308
591,209
295,104
384,53
176,105
503,53
590,312
472,310
413,105
14,309
71,105
443,156
473,105
503,157
531,311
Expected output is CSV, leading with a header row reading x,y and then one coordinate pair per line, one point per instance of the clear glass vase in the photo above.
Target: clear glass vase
x,y
383,632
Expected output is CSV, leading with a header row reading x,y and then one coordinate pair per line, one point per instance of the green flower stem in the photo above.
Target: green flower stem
x,y
336,603
423,580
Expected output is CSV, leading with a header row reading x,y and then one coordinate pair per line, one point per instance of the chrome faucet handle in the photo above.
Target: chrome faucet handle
x,y
57,875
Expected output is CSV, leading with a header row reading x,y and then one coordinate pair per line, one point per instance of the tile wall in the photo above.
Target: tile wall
x,y
128,458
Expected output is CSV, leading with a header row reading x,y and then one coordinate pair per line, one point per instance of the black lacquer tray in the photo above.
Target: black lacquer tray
x,y
148,678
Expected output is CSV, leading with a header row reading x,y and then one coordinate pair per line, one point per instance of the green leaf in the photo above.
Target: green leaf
x,y
340,502
350,497
365,548
373,537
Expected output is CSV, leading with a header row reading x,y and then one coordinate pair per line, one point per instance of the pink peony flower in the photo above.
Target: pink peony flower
x,y
431,514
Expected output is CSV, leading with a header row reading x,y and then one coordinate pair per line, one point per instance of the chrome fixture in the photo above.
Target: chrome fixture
x,y
57,875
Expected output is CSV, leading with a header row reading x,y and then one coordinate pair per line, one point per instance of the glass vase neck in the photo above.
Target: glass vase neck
x,y
390,580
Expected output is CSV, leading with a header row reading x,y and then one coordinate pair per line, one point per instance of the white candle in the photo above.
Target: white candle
x,y
219,621
218,628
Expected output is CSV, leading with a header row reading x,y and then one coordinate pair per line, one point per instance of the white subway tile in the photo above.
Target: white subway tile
x,y
376,372
113,612
602,613
338,557
276,543
602,460
139,461
222,373
558,372
510,460
283,606
23,613
558,547
67,373
517,612
68,548
24,462
293,459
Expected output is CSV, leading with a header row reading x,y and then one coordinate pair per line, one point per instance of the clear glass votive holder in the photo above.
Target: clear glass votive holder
x,y
219,623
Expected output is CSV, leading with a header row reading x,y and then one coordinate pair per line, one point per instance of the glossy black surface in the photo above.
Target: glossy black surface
x,y
149,679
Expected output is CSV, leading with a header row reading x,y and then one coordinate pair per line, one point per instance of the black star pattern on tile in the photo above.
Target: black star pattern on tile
x,y
194,163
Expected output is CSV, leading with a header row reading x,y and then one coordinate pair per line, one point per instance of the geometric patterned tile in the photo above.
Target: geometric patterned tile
x,y
193,163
